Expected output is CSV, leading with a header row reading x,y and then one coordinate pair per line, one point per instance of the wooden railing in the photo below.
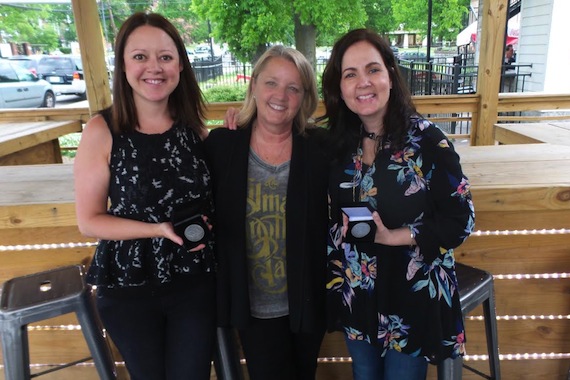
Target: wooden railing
x,y
440,108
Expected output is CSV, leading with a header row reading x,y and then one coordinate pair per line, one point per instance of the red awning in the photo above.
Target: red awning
x,y
511,40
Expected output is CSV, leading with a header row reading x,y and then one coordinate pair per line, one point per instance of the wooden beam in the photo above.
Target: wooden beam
x,y
493,20
532,101
90,36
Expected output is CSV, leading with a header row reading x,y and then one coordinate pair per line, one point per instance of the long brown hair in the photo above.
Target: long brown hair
x,y
186,103
343,124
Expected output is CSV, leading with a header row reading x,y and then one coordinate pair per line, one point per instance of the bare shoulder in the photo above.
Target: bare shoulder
x,y
96,131
96,123
96,141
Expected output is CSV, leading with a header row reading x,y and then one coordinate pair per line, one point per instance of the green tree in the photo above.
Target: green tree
x,y
112,14
380,16
248,26
191,27
28,24
447,16
140,5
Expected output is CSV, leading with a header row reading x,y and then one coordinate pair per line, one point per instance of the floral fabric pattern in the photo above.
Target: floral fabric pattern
x,y
403,298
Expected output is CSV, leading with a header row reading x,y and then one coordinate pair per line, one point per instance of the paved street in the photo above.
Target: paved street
x,y
62,101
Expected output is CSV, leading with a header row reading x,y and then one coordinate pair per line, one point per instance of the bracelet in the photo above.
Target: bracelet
x,y
412,235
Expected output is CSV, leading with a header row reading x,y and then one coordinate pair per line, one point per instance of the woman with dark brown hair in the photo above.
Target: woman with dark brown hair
x,y
392,287
138,161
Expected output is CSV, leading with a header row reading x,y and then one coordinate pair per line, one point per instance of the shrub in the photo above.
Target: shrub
x,y
219,94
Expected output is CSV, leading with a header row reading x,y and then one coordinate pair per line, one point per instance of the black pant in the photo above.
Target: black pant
x,y
165,335
273,352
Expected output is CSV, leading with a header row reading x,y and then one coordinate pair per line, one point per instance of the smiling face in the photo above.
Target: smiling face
x,y
152,64
278,92
365,84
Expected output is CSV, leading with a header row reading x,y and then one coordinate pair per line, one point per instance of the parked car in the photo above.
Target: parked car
x,y
413,56
202,52
19,88
28,62
191,55
65,73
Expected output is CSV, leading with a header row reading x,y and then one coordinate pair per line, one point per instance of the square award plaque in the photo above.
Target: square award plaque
x,y
361,226
188,223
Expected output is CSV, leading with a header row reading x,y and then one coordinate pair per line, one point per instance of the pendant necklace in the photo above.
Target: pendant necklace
x,y
371,135
377,138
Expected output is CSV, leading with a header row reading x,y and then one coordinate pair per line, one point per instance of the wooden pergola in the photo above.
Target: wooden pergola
x,y
493,21
521,192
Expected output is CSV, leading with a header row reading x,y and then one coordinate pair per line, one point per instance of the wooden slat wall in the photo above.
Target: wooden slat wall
x,y
499,209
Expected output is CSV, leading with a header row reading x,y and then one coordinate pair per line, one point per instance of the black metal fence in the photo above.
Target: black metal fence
x,y
221,71
432,78
444,75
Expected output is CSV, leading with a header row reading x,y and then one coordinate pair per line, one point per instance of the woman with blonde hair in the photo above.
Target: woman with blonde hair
x,y
270,181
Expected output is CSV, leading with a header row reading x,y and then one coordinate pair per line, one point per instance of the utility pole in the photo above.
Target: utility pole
x,y
430,11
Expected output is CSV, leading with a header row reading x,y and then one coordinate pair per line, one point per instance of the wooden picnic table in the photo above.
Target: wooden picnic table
x,y
33,142
554,132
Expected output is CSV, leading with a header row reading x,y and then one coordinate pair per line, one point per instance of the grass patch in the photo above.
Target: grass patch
x,y
69,144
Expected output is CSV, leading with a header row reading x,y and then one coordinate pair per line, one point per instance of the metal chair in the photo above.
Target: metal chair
x,y
475,288
45,295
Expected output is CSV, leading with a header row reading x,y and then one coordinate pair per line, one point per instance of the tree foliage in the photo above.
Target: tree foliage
x,y
447,16
380,17
247,26
191,27
23,24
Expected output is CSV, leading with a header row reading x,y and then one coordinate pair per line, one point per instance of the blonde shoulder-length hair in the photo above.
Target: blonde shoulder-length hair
x,y
303,119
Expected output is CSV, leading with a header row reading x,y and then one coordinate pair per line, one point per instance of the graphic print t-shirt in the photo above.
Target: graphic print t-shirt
x,y
265,236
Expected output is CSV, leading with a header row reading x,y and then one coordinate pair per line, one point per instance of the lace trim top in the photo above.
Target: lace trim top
x,y
150,174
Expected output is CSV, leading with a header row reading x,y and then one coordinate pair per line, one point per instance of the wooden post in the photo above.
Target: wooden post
x,y
492,19
90,37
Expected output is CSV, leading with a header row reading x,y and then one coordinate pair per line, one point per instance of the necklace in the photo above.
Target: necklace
x,y
275,160
371,135
358,159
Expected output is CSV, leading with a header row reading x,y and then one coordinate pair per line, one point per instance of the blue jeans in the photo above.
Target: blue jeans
x,y
367,364
166,335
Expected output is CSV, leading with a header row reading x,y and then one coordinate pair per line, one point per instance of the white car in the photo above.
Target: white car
x,y
65,73
19,88
202,52
191,55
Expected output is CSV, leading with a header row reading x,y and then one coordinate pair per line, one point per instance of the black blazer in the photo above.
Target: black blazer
x,y
306,225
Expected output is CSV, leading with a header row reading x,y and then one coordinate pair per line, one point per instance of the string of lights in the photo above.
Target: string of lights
x,y
22,247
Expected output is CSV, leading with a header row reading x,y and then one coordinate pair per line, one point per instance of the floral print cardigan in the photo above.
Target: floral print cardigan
x,y
403,297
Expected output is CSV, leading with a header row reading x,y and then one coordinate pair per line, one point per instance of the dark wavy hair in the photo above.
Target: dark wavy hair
x,y
186,103
343,124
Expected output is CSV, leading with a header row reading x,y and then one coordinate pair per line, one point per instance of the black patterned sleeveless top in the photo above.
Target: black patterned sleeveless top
x,y
150,174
